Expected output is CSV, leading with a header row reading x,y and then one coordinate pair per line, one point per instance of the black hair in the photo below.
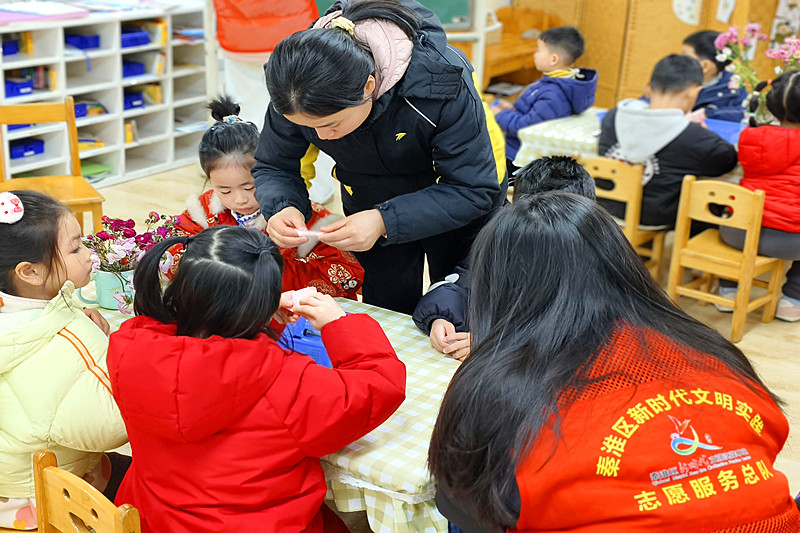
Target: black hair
x,y
676,72
556,277
783,98
319,71
554,173
227,143
33,238
567,39
703,44
228,283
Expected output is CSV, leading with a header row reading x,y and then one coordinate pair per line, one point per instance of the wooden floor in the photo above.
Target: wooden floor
x,y
774,348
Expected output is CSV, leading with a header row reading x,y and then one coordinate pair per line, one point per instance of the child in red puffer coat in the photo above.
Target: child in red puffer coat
x,y
226,427
770,157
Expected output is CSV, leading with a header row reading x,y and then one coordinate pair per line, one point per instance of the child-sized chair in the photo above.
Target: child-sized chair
x,y
626,188
707,252
71,190
65,502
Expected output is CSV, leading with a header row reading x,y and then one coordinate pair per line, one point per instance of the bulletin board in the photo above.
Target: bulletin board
x,y
454,14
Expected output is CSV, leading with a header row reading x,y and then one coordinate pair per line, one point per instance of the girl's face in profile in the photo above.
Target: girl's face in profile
x,y
74,261
235,188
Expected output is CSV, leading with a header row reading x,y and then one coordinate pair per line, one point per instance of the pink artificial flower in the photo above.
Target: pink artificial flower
x,y
123,305
104,236
721,41
153,215
117,225
95,261
161,231
128,232
772,53
746,41
144,238
753,27
166,262
129,223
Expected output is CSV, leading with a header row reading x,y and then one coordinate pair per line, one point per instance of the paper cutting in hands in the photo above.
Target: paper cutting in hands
x,y
308,233
298,295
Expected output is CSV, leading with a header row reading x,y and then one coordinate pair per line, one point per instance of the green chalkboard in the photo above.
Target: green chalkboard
x,y
454,14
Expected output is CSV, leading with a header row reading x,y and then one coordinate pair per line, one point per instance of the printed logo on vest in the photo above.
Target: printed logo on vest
x,y
683,445
398,136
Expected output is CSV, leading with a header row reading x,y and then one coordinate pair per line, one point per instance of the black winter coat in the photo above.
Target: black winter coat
x,y
438,176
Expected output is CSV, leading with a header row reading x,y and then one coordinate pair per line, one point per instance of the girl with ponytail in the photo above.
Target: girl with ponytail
x,y
226,427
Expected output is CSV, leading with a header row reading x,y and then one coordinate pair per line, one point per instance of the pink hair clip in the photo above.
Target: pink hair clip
x,y
11,209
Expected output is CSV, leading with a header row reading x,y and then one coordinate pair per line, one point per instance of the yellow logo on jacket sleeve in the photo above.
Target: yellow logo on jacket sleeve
x,y
398,136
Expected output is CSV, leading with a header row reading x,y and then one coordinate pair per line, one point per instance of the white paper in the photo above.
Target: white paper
x,y
688,11
725,10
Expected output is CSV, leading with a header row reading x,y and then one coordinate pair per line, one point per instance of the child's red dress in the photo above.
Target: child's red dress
x,y
314,264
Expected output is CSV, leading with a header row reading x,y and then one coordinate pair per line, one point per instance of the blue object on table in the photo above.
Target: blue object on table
x,y
18,87
134,36
304,338
25,147
726,129
132,99
601,114
10,47
83,42
132,68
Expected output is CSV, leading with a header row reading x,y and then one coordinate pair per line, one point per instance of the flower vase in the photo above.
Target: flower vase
x,y
107,284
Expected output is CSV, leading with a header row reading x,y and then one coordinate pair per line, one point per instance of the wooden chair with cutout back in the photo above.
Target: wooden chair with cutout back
x,y
626,181
65,502
707,252
72,190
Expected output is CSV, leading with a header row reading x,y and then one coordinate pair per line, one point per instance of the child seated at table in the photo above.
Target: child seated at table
x,y
441,313
227,428
770,157
55,392
593,403
562,91
718,98
226,157
659,136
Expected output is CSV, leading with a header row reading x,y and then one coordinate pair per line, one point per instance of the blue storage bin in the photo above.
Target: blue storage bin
x,y
304,338
25,147
134,36
12,127
10,47
18,87
132,68
84,42
80,110
132,99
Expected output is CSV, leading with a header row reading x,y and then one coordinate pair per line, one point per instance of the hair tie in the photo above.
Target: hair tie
x,y
11,209
231,119
263,249
344,23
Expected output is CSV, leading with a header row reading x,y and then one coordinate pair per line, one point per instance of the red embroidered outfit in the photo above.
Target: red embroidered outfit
x,y
659,443
313,264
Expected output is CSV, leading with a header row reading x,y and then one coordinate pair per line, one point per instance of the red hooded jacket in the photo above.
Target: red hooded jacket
x,y
227,433
770,157
253,26
659,441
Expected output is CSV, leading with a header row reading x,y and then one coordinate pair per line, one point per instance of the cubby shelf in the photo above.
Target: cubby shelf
x,y
177,66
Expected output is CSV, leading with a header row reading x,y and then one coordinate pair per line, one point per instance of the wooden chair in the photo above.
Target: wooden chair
x,y
65,502
72,190
626,180
708,253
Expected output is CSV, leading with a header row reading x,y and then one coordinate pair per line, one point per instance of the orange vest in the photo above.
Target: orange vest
x,y
657,443
256,26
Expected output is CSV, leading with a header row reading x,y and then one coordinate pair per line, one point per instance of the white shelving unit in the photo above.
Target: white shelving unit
x,y
96,75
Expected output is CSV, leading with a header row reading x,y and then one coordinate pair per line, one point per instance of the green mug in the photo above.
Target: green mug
x,y
107,284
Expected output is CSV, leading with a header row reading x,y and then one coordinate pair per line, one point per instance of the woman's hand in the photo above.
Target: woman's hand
x,y
356,233
282,227
319,309
95,316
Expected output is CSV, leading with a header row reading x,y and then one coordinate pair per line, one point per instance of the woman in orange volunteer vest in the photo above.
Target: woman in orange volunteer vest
x,y
591,403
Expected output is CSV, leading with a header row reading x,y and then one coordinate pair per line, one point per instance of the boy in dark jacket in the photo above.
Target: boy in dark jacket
x,y
661,137
562,91
441,313
717,98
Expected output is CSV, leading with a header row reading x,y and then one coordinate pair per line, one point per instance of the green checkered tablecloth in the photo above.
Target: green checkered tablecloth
x,y
562,136
385,472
